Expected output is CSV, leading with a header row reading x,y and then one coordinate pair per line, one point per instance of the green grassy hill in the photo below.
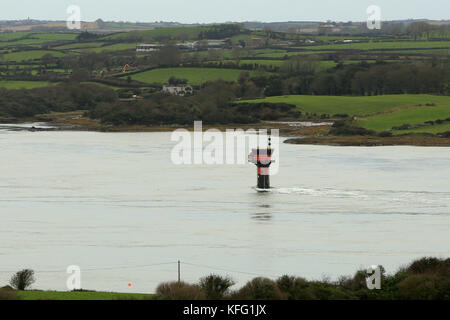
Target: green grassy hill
x,y
411,116
24,84
194,76
355,106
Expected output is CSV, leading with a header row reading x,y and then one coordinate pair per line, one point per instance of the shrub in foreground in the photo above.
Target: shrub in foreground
x,y
424,287
8,293
294,288
259,289
215,287
180,291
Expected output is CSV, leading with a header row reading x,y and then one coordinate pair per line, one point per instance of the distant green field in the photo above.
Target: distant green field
x,y
384,45
274,63
358,106
55,36
24,84
412,116
194,76
22,42
30,55
12,36
79,45
424,51
114,47
189,32
341,37
101,85
29,38
272,54
83,295
284,53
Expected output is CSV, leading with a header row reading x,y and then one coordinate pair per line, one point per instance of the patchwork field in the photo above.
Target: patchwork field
x,y
24,84
30,55
410,116
194,76
383,45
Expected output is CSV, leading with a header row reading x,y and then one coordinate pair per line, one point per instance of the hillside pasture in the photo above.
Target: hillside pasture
x,y
30,55
355,106
410,116
381,45
24,84
195,76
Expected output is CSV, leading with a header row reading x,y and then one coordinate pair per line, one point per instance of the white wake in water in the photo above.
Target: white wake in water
x,y
320,192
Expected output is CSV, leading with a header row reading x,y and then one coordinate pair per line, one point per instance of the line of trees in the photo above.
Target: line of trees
x,y
423,279
363,79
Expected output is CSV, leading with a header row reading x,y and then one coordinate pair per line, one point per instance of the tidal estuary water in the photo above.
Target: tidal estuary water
x,y
115,205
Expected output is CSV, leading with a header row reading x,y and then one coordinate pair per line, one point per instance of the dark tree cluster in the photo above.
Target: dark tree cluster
x,y
365,79
60,98
221,31
213,105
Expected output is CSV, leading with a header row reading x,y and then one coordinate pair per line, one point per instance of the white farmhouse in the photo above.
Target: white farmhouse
x,y
181,90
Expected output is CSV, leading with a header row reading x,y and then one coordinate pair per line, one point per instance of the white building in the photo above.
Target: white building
x,y
182,90
148,47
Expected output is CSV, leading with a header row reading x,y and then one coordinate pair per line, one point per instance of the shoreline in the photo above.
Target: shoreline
x,y
371,141
309,134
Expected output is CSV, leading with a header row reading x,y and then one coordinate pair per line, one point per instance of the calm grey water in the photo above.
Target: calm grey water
x,y
114,204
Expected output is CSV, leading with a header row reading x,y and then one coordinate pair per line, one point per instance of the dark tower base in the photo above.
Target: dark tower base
x,y
262,158
263,182
263,178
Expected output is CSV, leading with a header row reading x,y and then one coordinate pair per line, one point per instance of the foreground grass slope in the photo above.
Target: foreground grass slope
x,y
81,295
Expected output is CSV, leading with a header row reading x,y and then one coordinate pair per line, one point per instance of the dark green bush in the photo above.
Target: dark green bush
x,y
344,128
294,288
429,265
259,289
420,287
445,134
215,287
180,291
385,134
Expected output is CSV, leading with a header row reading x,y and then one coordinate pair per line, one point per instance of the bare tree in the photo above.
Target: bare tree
x,y
22,279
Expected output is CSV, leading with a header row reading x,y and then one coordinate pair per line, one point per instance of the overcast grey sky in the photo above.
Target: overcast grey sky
x,y
204,11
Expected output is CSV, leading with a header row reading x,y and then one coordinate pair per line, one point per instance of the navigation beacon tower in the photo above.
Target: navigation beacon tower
x,y
262,158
